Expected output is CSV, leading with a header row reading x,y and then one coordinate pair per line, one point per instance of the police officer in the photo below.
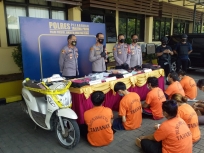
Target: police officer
x,y
121,53
135,52
98,55
164,53
68,60
182,49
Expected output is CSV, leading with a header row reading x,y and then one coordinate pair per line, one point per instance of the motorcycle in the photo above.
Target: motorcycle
x,y
49,105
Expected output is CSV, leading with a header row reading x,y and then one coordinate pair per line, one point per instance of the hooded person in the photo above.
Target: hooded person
x,y
164,52
182,49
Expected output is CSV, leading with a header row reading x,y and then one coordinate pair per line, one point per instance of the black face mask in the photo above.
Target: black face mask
x,y
122,40
164,43
74,43
135,40
101,41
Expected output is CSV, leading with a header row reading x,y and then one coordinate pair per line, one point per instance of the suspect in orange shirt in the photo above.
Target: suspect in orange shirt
x,y
130,109
172,136
187,113
174,87
98,120
188,84
154,98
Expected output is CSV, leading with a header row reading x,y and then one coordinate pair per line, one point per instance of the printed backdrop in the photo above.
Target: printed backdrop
x,y
43,39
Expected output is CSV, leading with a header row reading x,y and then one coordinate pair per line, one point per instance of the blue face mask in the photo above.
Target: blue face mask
x,y
121,94
148,87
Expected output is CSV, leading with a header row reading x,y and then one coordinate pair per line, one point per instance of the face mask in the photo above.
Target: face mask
x,y
74,43
122,40
202,88
100,41
135,40
164,43
167,79
179,79
183,40
120,94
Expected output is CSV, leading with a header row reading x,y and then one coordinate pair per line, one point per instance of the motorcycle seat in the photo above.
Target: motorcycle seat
x,y
32,84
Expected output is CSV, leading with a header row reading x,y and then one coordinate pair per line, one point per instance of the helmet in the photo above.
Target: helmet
x,y
164,39
184,36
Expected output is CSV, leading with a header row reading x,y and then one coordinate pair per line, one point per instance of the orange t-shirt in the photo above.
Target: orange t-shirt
x,y
154,99
98,120
189,87
131,108
175,136
187,113
174,88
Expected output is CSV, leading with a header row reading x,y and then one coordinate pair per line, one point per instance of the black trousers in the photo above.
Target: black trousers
x,y
151,146
118,67
167,68
183,63
84,131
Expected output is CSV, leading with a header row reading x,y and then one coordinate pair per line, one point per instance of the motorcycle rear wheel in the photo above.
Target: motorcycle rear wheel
x,y
72,134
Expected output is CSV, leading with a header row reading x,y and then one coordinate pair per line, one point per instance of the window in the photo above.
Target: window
x,y
161,27
13,22
180,27
58,15
198,28
130,23
31,8
38,12
102,16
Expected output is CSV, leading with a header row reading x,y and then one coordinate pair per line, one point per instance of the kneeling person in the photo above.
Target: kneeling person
x,y
172,136
98,120
130,109
154,99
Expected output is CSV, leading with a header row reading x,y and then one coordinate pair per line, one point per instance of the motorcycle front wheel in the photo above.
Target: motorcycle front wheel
x,y
72,134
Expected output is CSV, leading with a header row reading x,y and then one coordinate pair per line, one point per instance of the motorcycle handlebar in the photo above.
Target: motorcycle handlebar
x,y
47,87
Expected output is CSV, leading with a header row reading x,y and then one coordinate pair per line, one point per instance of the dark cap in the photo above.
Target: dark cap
x,y
164,39
184,36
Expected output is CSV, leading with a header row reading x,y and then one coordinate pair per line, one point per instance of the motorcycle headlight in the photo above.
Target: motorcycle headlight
x,y
65,98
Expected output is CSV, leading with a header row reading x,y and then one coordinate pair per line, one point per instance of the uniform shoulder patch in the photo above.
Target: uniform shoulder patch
x,y
63,51
91,49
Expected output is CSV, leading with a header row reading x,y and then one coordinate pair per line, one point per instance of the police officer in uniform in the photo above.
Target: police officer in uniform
x,y
164,53
98,55
68,60
121,53
135,51
182,49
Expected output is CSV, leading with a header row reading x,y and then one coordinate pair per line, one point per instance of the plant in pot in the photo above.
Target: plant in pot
x,y
17,57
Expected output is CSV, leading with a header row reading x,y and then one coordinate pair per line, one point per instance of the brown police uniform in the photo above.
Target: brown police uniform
x,y
136,55
98,62
121,54
68,61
